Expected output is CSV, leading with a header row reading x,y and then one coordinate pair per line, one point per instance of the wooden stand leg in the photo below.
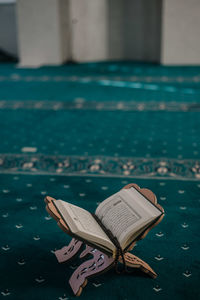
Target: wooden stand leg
x,y
134,262
99,263
68,252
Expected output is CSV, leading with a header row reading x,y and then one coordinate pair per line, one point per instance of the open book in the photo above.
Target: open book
x,y
125,214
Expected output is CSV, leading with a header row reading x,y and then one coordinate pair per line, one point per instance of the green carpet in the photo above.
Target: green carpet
x,y
80,133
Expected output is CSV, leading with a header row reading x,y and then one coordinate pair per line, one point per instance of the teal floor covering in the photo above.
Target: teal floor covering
x,y
80,133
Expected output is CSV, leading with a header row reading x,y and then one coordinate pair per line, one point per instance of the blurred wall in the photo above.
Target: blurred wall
x,y
181,32
43,31
8,28
134,29
88,30
115,29
55,31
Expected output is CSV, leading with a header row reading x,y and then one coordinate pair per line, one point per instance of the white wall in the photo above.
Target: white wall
x,y
115,29
181,32
52,31
89,26
42,31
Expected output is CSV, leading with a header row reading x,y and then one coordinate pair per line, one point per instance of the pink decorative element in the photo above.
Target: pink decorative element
x,y
99,263
67,252
88,250
96,265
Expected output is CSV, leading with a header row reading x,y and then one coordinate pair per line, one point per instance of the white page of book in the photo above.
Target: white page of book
x,y
126,212
81,222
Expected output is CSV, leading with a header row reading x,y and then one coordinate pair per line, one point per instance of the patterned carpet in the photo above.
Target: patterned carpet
x,y
80,133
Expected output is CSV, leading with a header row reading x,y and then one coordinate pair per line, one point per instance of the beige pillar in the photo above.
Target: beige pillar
x,y
180,32
43,32
89,28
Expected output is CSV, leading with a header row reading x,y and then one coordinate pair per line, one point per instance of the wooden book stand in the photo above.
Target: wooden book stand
x,y
100,262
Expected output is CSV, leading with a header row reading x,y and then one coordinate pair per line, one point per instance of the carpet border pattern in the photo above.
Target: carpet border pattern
x,y
105,166
81,104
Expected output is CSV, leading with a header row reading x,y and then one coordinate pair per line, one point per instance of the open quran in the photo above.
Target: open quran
x,y
117,222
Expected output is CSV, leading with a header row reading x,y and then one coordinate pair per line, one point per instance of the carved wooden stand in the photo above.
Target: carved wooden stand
x,y
100,262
